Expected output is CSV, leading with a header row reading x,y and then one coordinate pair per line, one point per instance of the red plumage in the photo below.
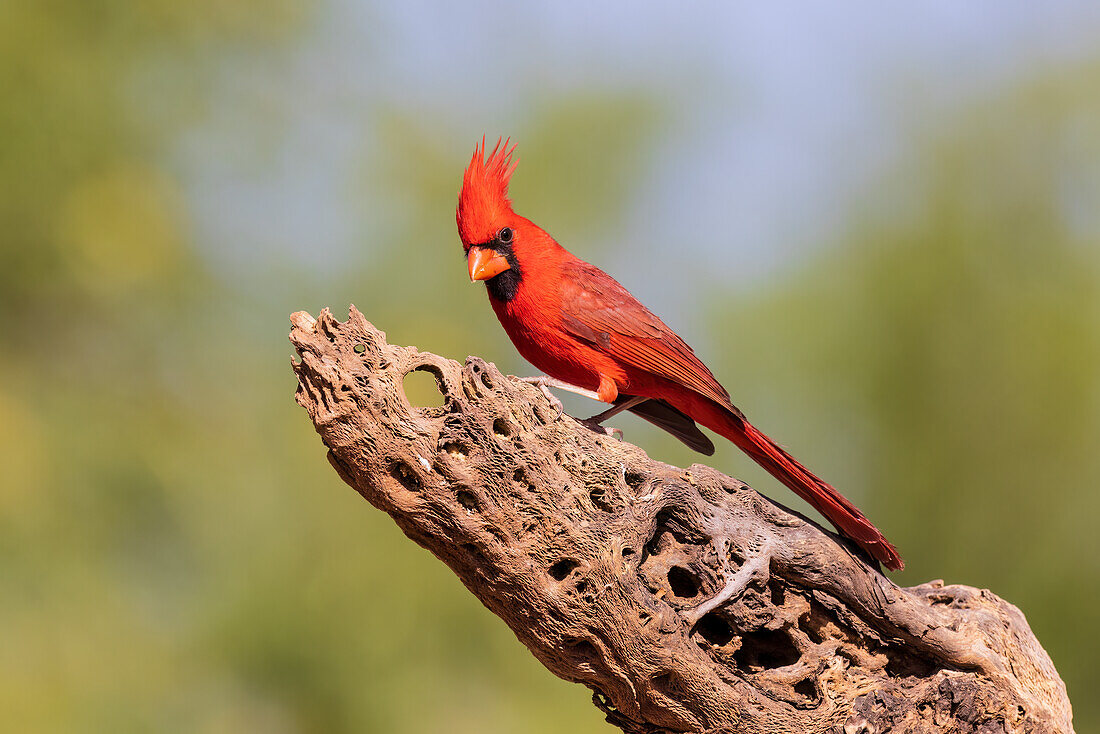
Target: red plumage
x,y
577,324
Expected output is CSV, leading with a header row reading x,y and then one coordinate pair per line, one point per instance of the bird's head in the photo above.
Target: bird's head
x,y
486,223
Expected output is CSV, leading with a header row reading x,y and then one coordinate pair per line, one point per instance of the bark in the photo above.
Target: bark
x,y
683,599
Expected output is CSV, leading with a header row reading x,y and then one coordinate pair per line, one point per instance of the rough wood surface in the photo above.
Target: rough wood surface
x,y
682,598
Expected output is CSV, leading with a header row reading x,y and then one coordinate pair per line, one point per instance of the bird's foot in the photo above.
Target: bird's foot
x,y
759,566
624,403
594,425
544,383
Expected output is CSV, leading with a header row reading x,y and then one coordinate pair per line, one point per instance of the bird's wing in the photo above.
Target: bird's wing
x,y
667,418
597,309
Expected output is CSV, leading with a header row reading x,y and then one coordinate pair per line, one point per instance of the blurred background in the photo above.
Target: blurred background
x,y
880,227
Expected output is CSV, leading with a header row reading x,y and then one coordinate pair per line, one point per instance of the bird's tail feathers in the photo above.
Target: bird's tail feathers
x,y
822,496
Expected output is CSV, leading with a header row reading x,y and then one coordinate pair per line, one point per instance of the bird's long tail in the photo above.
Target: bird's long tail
x,y
822,496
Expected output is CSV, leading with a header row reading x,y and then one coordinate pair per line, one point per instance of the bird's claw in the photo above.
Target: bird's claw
x,y
593,425
544,383
559,407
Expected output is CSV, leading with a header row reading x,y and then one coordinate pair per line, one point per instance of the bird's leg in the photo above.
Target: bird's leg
x,y
614,410
544,383
758,566
605,430
596,421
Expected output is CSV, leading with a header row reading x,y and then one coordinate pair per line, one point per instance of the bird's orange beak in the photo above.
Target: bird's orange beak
x,y
485,263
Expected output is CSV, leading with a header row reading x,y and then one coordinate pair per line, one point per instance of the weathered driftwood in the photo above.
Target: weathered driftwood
x,y
685,600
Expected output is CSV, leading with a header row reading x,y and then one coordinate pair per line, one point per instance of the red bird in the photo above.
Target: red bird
x,y
578,325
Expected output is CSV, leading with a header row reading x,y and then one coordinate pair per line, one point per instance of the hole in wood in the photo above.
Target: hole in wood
x,y
665,682
776,593
807,689
479,558
851,658
668,532
820,624
584,650
467,499
714,629
634,479
904,665
360,348
403,473
765,649
502,428
681,527
682,582
657,545
422,389
600,500
456,450
563,568
812,627
602,702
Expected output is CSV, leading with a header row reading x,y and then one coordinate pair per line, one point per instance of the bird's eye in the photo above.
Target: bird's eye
x,y
505,235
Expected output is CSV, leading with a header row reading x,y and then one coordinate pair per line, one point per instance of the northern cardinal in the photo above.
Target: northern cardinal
x,y
582,328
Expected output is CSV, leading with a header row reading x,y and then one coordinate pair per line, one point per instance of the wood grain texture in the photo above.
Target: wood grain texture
x,y
682,598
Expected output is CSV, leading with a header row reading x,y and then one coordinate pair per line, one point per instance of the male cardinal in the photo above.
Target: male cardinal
x,y
576,323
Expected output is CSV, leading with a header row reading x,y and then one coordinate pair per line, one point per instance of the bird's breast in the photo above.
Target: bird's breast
x,y
535,330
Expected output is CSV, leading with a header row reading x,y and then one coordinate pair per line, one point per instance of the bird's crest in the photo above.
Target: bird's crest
x,y
483,200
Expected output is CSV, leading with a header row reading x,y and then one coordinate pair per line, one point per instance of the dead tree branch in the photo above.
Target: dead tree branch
x,y
682,598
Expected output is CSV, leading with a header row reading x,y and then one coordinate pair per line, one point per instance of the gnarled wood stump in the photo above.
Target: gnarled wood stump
x,y
682,598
